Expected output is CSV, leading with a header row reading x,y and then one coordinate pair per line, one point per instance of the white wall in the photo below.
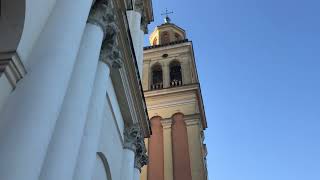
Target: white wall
x,y
5,89
99,170
37,13
111,142
115,107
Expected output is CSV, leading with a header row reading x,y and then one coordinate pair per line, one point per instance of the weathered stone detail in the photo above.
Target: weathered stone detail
x,y
102,14
129,4
111,55
144,24
134,140
139,6
141,158
12,67
132,135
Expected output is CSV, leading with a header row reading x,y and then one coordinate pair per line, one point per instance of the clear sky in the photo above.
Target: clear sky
x,y
259,66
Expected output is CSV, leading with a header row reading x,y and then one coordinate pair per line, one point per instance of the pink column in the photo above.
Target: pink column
x,y
180,149
156,155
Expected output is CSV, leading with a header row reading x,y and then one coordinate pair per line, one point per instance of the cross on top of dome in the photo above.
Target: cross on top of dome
x,y
166,14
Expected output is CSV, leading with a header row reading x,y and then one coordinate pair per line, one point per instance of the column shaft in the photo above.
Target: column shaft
x,y
90,139
137,34
29,117
136,174
64,146
180,149
127,164
156,155
166,75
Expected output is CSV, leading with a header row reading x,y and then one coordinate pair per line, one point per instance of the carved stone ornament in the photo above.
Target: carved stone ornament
x,y
129,4
141,158
139,6
111,56
103,15
132,135
144,24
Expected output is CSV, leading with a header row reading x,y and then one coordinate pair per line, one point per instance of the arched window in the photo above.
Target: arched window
x,y
175,74
165,39
155,41
177,36
157,81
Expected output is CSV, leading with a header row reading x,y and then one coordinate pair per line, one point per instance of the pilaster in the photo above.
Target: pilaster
x,y
167,145
103,16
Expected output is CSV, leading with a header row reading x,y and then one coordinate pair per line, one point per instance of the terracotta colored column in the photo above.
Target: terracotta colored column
x,y
156,157
180,149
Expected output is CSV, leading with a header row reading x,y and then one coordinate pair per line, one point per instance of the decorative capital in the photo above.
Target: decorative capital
x,y
138,6
111,56
144,24
132,135
141,158
102,14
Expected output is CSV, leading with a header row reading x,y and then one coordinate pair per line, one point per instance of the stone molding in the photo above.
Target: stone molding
x,y
12,67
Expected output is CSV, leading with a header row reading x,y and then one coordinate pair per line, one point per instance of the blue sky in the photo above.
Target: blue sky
x,y
259,66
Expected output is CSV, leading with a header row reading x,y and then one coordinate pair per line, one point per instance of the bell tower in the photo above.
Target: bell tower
x,y
172,91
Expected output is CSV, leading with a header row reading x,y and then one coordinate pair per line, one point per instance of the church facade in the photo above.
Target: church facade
x,y
171,87
71,99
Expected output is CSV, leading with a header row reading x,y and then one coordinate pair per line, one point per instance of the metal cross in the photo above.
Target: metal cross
x,y
167,13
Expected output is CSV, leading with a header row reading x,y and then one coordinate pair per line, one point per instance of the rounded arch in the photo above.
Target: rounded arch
x,y
156,76
11,24
165,37
177,113
177,36
154,41
106,168
175,73
156,120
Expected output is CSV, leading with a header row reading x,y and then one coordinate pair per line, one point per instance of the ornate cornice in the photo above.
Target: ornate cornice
x,y
12,67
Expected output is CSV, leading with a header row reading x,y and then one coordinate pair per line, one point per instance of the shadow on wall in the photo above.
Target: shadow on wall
x,y
11,24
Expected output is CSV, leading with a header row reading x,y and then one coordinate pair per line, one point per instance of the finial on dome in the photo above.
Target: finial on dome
x,y
166,14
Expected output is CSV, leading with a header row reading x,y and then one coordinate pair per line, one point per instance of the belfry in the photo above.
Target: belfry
x,y
174,102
